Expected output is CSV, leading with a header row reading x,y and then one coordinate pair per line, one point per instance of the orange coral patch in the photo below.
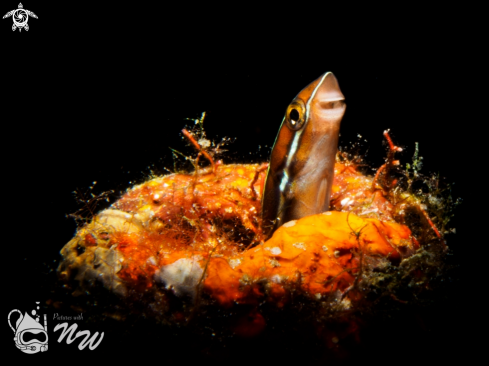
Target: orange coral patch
x,y
317,251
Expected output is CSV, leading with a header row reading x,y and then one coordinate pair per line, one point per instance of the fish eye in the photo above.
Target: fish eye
x,y
295,116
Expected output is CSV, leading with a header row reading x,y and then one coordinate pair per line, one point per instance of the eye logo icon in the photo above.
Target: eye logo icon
x,y
30,335
20,17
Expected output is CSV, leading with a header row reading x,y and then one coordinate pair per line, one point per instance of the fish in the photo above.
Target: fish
x,y
301,169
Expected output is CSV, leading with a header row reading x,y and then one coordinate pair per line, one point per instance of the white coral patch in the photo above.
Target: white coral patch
x,y
182,276
106,263
234,262
299,245
275,250
274,263
346,303
204,143
276,279
119,221
290,223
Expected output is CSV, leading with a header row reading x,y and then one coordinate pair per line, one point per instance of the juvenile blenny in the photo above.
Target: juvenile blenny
x,y
301,170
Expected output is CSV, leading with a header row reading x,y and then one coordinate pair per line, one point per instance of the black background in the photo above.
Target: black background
x,y
99,93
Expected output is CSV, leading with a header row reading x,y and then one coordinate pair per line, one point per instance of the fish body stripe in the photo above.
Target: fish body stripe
x,y
301,167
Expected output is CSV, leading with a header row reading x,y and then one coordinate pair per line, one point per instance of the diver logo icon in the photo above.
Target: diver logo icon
x,y
30,335
20,17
